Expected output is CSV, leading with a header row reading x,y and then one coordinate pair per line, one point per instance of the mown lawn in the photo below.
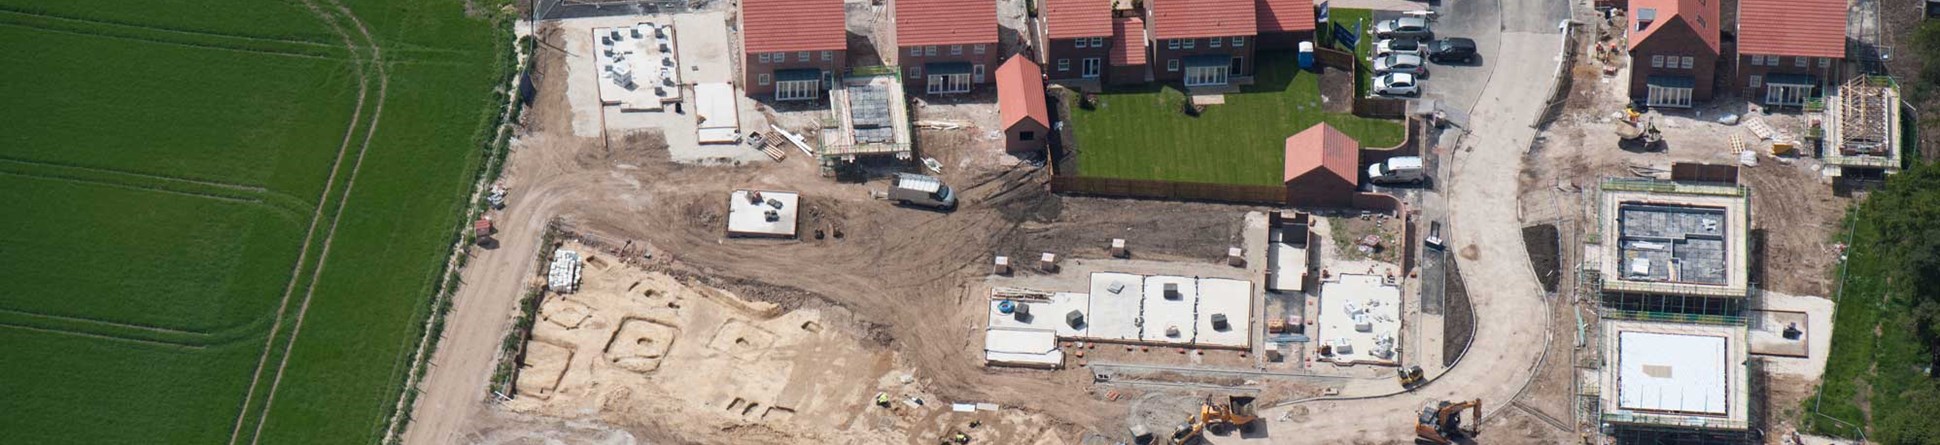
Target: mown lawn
x,y
1144,134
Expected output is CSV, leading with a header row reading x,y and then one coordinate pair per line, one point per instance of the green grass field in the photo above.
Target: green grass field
x,y
1144,134
167,162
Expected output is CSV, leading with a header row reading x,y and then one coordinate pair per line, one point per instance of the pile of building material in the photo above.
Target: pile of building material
x,y
637,67
563,275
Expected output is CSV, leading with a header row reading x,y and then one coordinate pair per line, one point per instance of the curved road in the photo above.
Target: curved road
x,y
1519,41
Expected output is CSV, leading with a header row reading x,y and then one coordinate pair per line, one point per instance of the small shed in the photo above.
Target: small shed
x,y
483,227
1322,167
1020,104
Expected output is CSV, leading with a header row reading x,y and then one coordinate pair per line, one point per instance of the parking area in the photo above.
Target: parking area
x,y
1451,81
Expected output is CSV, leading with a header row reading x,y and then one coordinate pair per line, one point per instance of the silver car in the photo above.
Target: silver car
x,y
1397,84
1398,46
1400,63
1403,28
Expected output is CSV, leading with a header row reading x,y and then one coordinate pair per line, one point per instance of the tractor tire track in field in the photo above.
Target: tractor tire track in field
x,y
269,342
268,52
376,63
289,206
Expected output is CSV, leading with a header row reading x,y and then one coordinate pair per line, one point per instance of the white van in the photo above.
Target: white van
x,y
926,191
1397,170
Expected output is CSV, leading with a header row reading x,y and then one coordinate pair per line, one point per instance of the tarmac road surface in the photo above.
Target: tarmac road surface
x,y
1483,234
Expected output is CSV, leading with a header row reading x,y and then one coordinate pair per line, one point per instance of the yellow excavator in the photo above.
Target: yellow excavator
x,y
1441,424
1235,411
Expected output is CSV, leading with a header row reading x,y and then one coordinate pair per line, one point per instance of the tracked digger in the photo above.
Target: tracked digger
x,y
1235,411
1441,424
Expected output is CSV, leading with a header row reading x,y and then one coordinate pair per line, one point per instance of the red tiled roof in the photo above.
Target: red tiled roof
x,y
1065,19
945,22
1814,28
1285,15
1127,41
1700,16
1020,92
793,25
1191,19
1323,148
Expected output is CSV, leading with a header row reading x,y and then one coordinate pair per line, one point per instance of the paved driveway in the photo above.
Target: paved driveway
x,y
1518,40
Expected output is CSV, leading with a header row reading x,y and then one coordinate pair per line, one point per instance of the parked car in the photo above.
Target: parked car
x,y
1401,63
1397,170
1452,49
1404,27
1396,84
1397,46
921,190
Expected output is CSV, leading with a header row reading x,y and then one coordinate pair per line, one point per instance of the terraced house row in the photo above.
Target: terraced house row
x,y
794,49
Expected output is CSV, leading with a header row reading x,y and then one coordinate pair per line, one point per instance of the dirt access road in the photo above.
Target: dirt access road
x,y
1485,233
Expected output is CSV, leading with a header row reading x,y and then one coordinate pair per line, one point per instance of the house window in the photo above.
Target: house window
x,y
1687,62
828,56
1756,81
1771,60
1701,23
929,50
781,57
956,50
801,56
949,83
798,89
1172,65
915,51
1661,96
763,79
1757,60
1098,42
1239,42
1027,136
1091,67
978,48
1825,62
1800,61
1189,43
1084,43
1064,64
915,72
976,73
1656,61
1171,43
1787,94
764,58
1214,42
1207,75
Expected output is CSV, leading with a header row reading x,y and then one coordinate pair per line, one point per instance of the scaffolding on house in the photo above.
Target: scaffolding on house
x,y
1665,300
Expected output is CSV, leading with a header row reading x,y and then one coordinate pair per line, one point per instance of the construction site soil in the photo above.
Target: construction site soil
x,y
1458,325
895,278
1544,254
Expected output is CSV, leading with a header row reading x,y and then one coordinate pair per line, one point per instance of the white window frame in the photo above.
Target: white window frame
x,y
915,51
1189,43
1801,62
801,56
1171,43
1208,75
978,48
1172,65
1757,60
1214,42
929,50
798,90
828,56
1755,81
948,83
1686,63
976,74
763,79
1064,64
1787,95
1239,41
915,72
765,58
1091,67
1668,97
1083,43
1825,62
956,50
1657,61
1097,42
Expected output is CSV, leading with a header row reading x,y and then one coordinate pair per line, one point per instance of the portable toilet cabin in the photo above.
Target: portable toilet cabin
x,y
1306,54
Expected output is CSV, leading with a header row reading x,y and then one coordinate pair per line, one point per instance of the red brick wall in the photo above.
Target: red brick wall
x,y
1014,142
1677,40
1068,50
1284,40
1124,75
910,64
1786,65
753,68
1161,53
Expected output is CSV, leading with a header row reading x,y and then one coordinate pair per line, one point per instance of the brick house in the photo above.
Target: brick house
x,y
1075,38
1284,23
1201,42
1674,47
791,49
945,46
1020,105
1322,167
1128,53
1787,49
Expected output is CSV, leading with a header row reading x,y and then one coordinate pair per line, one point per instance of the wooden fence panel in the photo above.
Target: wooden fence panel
x,y
1171,190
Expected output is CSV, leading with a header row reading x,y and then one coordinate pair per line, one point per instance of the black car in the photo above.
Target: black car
x,y
1452,49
